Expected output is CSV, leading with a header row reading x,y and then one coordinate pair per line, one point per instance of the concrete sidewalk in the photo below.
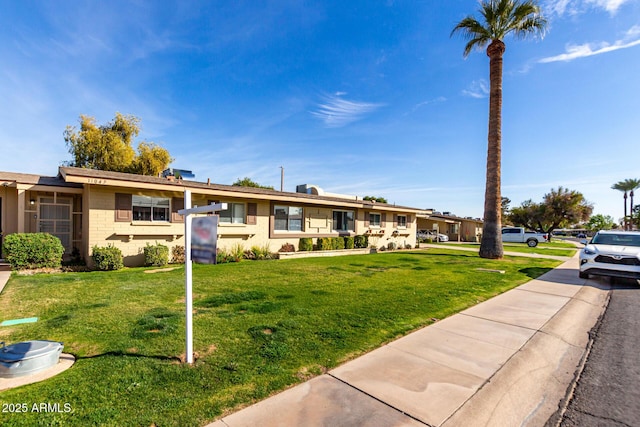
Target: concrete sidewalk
x,y
505,362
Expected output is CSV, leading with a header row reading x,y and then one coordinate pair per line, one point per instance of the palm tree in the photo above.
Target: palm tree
x,y
627,186
499,18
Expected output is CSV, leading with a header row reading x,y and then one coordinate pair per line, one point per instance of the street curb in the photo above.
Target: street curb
x,y
556,419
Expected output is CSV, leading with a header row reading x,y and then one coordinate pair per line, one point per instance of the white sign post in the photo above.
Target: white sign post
x,y
188,267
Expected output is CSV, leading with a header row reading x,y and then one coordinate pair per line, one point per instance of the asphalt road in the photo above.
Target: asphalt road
x,y
608,389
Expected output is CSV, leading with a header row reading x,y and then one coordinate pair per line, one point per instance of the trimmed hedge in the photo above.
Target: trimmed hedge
x,y
324,244
348,242
33,250
361,242
337,243
305,244
107,258
156,255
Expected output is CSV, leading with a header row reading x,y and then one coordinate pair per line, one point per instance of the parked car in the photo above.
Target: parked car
x,y
423,235
520,235
613,254
581,236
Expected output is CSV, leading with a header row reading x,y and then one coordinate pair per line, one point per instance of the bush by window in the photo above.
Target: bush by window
x,y
156,255
107,258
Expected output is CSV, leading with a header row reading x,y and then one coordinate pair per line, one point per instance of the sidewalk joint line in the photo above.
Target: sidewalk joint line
x,y
379,400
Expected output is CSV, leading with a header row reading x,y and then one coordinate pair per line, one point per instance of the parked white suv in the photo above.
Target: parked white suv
x,y
613,254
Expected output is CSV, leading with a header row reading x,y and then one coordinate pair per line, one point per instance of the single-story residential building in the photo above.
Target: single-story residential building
x,y
458,229
87,208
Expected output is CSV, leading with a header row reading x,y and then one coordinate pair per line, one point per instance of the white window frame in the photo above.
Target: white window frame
x,y
403,223
153,203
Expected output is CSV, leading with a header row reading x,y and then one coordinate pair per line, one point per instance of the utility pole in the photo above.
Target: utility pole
x,y
281,178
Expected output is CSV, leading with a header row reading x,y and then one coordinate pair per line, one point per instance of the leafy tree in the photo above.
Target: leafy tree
x,y
248,182
635,216
628,185
600,222
375,199
499,19
559,209
504,207
109,147
151,159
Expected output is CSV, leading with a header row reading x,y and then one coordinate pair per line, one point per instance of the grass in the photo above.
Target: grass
x,y
259,327
550,248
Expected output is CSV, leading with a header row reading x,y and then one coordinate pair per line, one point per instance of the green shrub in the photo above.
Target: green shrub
x,y
177,254
361,241
348,242
305,244
107,258
337,243
258,253
392,246
237,252
223,257
156,255
33,250
324,244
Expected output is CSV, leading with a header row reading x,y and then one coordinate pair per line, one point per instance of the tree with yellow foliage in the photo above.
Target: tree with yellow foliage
x,y
109,147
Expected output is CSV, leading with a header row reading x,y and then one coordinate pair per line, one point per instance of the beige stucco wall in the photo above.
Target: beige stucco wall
x,y
131,237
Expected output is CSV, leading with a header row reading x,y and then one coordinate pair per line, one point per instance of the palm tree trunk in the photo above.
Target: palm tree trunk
x,y
491,245
626,226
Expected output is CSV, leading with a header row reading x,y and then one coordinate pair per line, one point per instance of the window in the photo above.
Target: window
x,y
402,221
343,220
234,214
287,218
510,231
374,220
147,208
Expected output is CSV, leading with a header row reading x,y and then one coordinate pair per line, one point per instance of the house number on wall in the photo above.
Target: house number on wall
x,y
96,181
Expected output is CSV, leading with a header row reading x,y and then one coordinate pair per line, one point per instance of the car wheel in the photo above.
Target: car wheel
x,y
583,275
532,243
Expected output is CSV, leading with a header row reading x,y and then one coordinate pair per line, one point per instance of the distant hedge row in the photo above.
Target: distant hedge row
x,y
333,243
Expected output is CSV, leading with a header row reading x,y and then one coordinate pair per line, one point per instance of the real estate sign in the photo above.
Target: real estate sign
x,y
204,236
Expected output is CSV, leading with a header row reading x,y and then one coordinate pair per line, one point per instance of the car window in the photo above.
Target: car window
x,y
616,239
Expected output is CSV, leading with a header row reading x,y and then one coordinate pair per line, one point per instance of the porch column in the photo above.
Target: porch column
x,y
21,203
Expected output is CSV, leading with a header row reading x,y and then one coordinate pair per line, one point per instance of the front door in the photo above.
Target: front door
x,y
55,219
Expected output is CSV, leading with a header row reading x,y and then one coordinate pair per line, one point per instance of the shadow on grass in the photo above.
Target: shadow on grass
x,y
534,272
120,353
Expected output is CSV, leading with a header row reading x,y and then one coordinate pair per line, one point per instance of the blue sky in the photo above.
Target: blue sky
x,y
361,97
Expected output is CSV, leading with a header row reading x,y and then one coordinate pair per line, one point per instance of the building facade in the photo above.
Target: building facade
x,y
87,208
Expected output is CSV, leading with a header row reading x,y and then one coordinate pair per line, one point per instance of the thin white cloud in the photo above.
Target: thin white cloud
x,y
477,89
337,112
575,7
427,102
631,38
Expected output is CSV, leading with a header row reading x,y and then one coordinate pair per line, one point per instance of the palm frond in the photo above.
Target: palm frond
x,y
500,18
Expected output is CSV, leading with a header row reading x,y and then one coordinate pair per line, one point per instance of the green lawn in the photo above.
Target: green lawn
x,y
554,248
259,327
